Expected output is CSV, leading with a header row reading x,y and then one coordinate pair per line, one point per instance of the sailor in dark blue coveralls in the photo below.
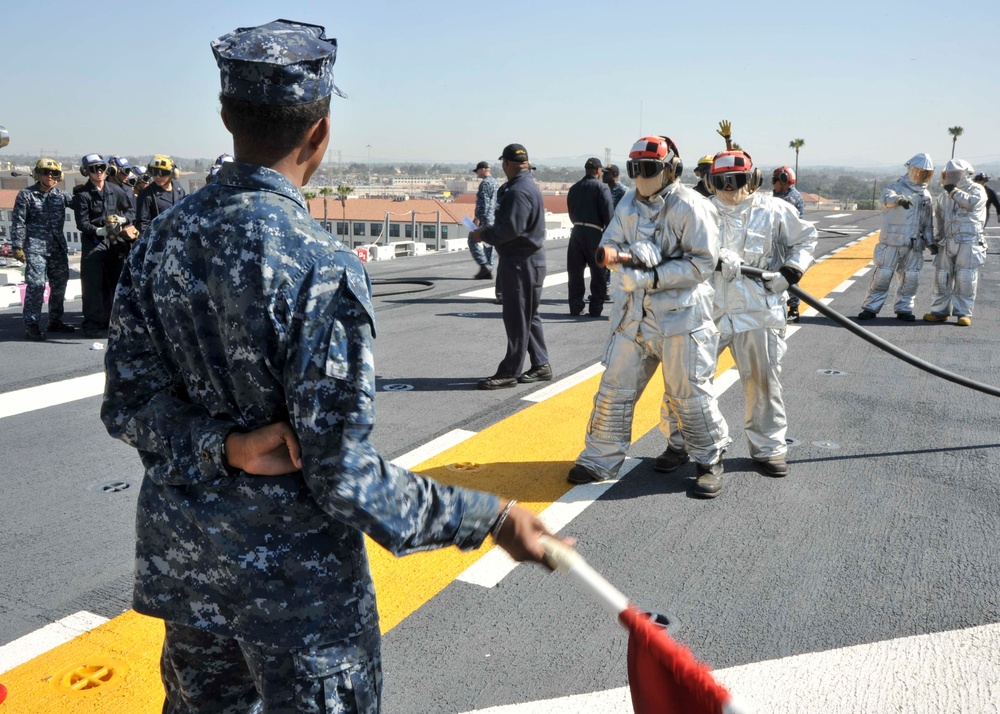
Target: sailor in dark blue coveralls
x,y
590,209
518,234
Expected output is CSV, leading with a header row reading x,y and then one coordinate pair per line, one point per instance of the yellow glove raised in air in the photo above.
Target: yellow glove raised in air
x,y
725,129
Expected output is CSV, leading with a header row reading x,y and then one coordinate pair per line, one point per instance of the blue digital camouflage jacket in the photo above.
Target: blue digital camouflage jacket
x,y
236,310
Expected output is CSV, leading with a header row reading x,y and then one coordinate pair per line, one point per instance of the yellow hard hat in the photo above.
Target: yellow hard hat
x,y
706,159
46,163
161,162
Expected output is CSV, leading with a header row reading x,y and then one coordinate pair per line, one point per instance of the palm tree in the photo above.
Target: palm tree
x,y
343,191
796,144
324,192
955,131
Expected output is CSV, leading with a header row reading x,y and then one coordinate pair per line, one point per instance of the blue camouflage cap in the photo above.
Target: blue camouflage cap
x,y
282,63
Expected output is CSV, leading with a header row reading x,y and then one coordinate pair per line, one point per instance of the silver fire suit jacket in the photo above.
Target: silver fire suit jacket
x,y
766,233
907,226
686,229
961,216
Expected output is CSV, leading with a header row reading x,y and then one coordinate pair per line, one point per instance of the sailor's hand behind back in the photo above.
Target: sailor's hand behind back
x,y
272,450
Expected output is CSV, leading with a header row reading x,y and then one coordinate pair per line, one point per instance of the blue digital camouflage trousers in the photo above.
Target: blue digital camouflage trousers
x,y
207,674
55,267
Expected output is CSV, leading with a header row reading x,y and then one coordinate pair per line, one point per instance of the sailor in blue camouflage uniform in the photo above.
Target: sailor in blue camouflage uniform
x,y
783,181
242,331
486,208
38,240
618,191
610,177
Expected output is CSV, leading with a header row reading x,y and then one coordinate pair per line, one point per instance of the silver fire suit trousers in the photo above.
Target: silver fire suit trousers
x,y
956,277
901,261
758,354
688,366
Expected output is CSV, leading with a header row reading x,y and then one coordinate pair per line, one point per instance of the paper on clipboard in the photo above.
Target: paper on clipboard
x,y
467,222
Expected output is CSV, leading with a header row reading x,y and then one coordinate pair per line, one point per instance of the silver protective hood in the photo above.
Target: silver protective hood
x,y
921,161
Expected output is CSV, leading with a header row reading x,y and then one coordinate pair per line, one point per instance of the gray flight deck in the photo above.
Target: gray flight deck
x,y
886,528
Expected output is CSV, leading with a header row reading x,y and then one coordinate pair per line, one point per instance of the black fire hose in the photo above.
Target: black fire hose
x,y
416,286
610,255
867,336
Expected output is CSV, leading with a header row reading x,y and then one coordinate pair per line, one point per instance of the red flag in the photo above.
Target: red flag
x,y
3,693
664,676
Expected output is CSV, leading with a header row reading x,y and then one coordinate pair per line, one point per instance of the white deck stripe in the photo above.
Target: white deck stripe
x,y
956,671
864,271
489,570
843,286
50,395
565,383
493,567
550,281
26,648
837,215
432,448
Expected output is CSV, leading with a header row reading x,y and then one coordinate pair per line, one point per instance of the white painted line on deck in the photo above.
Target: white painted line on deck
x,y
565,383
26,648
550,281
432,448
489,570
493,567
955,671
728,378
51,395
812,311
864,271
843,286
837,215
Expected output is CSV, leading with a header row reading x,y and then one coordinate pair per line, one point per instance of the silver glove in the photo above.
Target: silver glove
x,y
778,284
731,262
646,253
633,279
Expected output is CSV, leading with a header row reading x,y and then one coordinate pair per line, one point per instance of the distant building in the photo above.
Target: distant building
x,y
815,202
364,221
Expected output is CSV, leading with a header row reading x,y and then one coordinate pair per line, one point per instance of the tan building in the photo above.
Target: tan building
x,y
379,221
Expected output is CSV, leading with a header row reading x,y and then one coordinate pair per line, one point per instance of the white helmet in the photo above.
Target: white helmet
x,y
921,161
960,165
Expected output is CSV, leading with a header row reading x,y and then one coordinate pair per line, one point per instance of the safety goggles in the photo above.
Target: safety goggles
x,y
647,168
730,181
97,168
53,173
130,181
162,173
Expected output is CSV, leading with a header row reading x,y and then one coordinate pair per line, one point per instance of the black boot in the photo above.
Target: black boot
x,y
60,326
670,460
31,332
709,482
793,314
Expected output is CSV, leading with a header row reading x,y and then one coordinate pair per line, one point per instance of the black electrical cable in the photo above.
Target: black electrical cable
x,y
422,286
874,339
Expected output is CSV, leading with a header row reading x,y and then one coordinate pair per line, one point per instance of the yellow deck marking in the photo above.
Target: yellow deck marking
x,y
525,456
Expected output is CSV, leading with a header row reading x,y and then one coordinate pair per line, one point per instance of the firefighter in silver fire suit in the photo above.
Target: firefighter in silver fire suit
x,y
662,315
959,244
907,229
766,233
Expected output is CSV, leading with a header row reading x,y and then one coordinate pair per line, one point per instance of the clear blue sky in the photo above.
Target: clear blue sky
x,y
866,84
